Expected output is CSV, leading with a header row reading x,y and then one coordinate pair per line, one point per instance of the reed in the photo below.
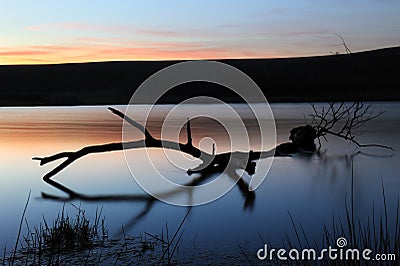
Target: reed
x,y
78,240
374,233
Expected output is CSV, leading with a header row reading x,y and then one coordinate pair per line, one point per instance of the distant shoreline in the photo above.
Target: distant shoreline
x,y
364,76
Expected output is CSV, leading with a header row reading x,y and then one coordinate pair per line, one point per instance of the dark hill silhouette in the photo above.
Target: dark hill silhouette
x,y
366,76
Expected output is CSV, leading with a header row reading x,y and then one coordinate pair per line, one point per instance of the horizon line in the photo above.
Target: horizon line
x,y
193,59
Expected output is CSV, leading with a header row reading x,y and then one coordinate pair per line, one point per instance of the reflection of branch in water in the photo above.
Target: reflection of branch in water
x,y
144,198
349,157
330,164
249,196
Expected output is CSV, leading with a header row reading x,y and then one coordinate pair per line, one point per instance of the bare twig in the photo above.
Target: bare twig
x,y
344,121
348,51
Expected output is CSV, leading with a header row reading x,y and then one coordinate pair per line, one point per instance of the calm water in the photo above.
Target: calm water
x,y
311,189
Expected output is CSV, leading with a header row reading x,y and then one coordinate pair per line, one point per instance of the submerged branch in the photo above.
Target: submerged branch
x,y
210,163
338,120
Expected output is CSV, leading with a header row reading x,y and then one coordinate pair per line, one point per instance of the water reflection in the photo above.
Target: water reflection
x,y
312,188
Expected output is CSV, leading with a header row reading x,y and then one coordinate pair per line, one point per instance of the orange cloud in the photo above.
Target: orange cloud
x,y
17,53
97,51
120,42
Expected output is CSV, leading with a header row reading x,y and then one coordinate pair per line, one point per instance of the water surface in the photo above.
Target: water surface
x,y
312,189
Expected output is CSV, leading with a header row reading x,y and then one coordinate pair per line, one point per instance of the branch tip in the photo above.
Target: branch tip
x,y
189,132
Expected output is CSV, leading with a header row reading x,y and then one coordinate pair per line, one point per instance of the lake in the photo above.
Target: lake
x,y
311,189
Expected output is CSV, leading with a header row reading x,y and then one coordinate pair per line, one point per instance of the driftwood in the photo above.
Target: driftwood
x,y
324,122
338,120
210,164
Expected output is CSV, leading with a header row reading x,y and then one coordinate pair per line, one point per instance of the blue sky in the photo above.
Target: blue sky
x,y
78,31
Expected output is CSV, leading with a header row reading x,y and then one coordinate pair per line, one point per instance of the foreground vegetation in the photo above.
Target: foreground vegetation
x,y
375,232
80,241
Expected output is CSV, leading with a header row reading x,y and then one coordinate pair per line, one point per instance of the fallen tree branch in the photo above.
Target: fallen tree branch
x,y
210,163
340,120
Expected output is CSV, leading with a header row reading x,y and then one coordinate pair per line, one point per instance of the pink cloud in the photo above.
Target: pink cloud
x,y
85,52
23,52
159,32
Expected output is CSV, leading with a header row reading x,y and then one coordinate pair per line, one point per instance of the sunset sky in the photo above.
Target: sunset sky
x,y
37,32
